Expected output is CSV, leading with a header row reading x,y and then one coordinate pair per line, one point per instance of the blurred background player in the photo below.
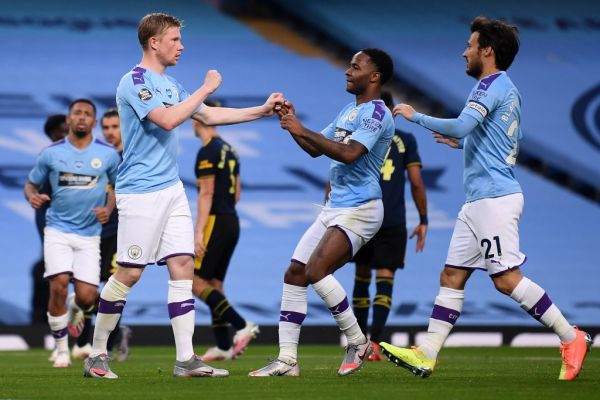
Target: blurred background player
x,y
486,233
356,142
78,169
386,251
155,221
55,128
111,129
217,232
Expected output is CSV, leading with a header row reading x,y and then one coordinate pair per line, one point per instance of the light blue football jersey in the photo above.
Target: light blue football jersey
x,y
491,148
149,152
372,125
78,179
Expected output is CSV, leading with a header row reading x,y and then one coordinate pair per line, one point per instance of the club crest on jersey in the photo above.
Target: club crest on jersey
x,y
134,252
96,163
352,115
145,94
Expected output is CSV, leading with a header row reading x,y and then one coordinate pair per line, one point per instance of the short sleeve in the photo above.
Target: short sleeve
x,y
41,169
484,99
329,131
370,126
206,162
411,156
141,96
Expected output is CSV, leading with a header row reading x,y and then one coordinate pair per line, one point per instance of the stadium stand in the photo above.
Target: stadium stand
x,y
63,50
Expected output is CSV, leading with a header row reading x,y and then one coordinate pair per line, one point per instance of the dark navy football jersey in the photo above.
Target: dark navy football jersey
x,y
218,158
402,154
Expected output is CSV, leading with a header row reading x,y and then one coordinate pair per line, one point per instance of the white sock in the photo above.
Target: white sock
x,y
58,326
446,310
334,296
294,306
112,302
183,317
536,302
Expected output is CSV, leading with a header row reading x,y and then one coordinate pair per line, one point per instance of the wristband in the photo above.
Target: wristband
x,y
423,220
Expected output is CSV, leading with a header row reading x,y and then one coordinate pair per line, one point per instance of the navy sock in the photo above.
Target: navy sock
x,y
221,331
361,301
381,306
221,309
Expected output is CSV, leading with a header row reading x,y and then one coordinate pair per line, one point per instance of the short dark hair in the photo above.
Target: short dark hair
x,y
383,62
387,98
53,122
82,100
155,24
111,112
501,36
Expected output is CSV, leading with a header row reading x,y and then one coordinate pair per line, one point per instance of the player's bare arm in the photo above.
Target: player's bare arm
x,y
168,118
103,213
206,185
225,116
417,188
32,195
342,152
238,189
406,110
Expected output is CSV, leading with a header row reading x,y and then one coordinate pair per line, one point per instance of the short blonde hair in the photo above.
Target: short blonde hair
x,y
155,24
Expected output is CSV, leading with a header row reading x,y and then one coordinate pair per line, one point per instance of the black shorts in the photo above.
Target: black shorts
x,y
222,240
385,251
108,257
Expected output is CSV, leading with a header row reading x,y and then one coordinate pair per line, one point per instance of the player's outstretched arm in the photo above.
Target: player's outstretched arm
x,y
33,197
168,118
455,127
342,152
227,116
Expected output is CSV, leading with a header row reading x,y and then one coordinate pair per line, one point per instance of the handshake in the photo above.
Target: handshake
x,y
285,110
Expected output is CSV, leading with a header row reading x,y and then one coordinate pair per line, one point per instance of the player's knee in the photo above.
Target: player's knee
x,y
503,287
314,275
86,300
507,282
454,278
363,270
199,285
59,292
295,275
128,276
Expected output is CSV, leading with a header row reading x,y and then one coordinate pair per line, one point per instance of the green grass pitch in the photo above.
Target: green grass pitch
x,y
466,373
